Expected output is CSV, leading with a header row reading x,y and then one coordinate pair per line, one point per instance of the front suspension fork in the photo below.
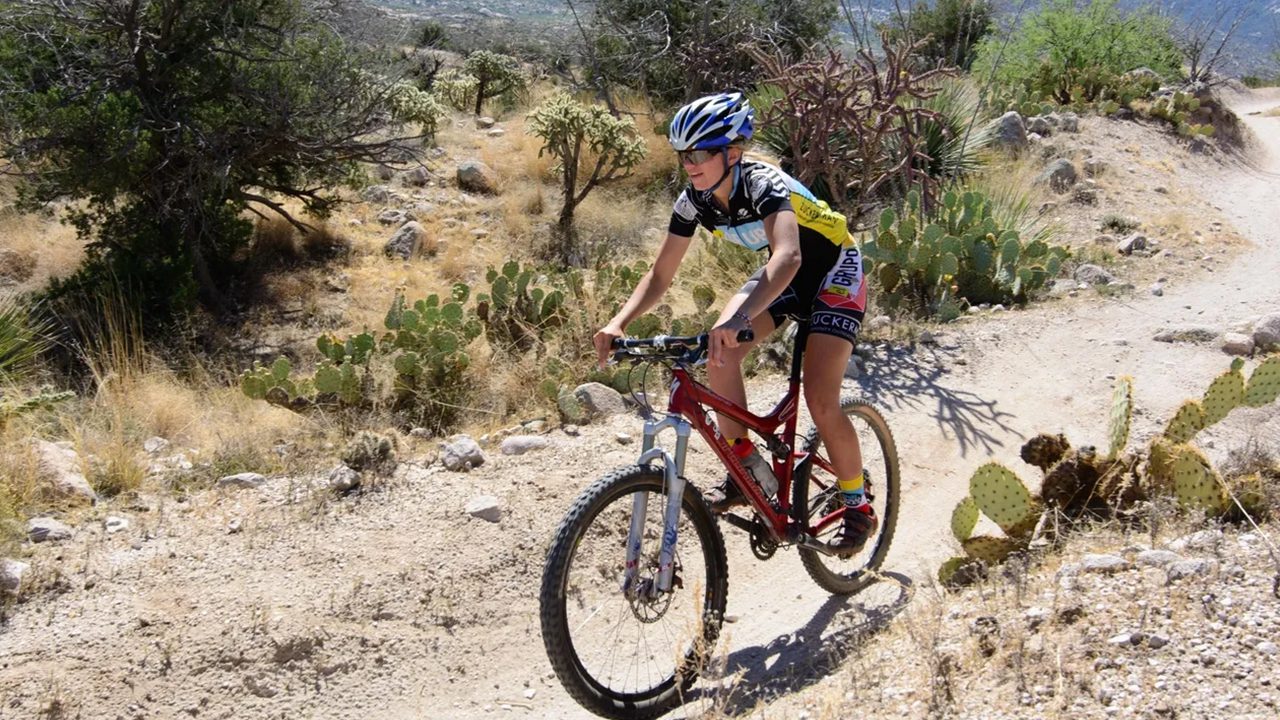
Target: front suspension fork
x,y
673,470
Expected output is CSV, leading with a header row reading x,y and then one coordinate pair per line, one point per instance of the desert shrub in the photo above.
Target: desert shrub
x,y
949,30
1119,224
1070,52
23,337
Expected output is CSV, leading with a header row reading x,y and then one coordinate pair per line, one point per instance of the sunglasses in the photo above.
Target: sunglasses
x,y
697,157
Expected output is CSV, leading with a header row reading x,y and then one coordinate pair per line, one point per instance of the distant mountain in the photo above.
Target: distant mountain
x,y
1256,40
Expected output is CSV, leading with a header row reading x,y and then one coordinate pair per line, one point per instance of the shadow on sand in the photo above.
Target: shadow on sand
x,y
792,662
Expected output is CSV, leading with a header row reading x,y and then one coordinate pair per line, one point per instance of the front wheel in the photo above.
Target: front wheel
x,y
631,654
817,505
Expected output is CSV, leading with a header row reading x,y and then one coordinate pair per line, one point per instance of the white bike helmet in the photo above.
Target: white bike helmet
x,y
711,122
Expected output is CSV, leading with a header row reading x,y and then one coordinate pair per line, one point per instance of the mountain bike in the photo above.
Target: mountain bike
x,y
636,578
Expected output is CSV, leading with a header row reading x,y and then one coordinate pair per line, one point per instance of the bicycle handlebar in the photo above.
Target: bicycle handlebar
x,y
689,347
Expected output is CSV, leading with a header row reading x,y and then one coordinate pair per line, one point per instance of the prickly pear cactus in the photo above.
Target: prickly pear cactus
x,y
1186,422
1044,450
1264,383
1001,496
964,518
1195,483
1121,414
990,549
1224,394
960,571
1069,485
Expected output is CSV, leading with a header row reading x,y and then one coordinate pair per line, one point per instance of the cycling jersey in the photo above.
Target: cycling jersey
x,y
829,288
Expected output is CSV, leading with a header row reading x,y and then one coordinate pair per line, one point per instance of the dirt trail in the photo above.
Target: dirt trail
x,y
394,604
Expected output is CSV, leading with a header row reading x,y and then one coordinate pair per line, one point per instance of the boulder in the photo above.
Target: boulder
x,y
475,176
46,529
59,468
377,194
114,524
343,479
599,400
521,444
1093,275
393,217
418,177
461,453
485,507
1266,333
1039,125
406,242
1011,131
1136,241
1237,344
484,123
11,575
1069,122
1060,175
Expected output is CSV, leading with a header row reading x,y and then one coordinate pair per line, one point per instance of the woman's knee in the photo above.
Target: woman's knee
x,y
823,402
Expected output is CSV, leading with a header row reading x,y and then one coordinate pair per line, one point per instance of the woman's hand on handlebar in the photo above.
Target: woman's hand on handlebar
x,y
603,340
726,336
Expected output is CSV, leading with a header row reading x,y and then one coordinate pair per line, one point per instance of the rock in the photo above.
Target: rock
x,y
475,176
114,524
343,479
384,172
1202,540
571,409
571,430
406,242
11,575
1085,195
521,444
1266,647
484,123
1039,125
623,438
1200,146
1060,175
599,400
235,526
1011,132
879,323
1103,563
1266,333
1048,207
927,338
46,529
1093,275
1157,558
1190,568
393,217
242,480
1069,122
485,507
1237,344
496,132
418,177
154,445
1157,289
1136,241
461,453
853,369
1157,641
377,194
1094,167
338,283
59,468
1191,333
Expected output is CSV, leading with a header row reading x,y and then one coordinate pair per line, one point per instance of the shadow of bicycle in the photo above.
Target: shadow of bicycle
x,y
792,662
911,378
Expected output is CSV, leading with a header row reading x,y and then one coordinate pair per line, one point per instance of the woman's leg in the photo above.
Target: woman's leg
x,y
727,379
825,360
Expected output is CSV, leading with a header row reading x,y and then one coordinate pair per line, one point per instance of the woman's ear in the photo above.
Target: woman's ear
x,y
734,154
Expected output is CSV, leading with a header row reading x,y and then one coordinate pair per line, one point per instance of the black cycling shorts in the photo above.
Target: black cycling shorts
x,y
833,299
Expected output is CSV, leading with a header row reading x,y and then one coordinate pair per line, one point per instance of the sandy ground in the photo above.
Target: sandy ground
x,y
395,604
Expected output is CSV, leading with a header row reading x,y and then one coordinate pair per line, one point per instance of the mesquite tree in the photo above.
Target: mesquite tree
x,y
592,146
166,120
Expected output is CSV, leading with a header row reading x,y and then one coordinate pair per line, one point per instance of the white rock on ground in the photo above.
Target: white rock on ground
x,y
343,478
599,400
242,480
46,529
485,507
11,574
521,444
59,467
461,453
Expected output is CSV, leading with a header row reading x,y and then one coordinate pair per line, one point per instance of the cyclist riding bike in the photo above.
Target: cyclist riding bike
x,y
814,271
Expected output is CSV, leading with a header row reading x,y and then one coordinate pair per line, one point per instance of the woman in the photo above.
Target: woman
x,y
814,271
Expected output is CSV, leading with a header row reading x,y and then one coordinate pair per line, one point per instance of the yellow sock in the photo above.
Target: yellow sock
x,y
852,490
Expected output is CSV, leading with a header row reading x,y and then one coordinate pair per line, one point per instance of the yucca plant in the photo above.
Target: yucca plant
x,y
23,337
953,135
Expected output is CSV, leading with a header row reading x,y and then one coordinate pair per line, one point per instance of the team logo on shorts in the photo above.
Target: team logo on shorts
x,y
843,288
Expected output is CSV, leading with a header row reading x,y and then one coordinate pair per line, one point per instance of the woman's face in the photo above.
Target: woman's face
x,y
704,175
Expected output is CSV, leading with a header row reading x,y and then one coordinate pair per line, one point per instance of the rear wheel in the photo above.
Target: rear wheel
x,y
816,502
631,654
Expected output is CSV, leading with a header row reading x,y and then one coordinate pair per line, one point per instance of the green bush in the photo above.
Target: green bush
x,y
950,30
958,254
1072,53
